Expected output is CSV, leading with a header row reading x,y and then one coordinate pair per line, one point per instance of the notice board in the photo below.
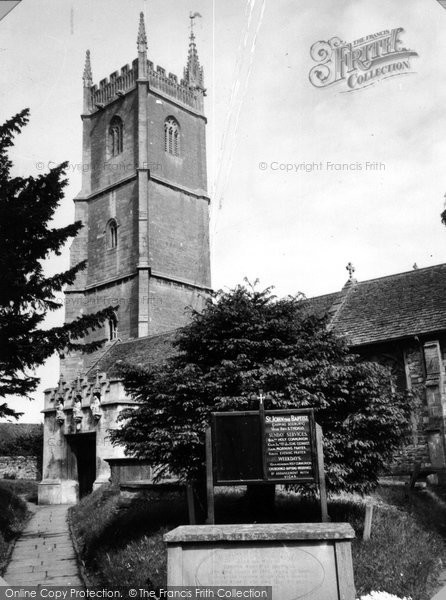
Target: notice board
x,y
272,446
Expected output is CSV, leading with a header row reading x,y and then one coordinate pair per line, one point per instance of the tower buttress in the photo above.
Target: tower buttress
x,y
143,182
86,125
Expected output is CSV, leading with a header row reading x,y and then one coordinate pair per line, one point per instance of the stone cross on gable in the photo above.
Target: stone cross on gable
x,y
351,269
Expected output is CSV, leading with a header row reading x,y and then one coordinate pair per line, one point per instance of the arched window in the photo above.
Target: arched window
x,y
112,234
115,134
172,136
112,328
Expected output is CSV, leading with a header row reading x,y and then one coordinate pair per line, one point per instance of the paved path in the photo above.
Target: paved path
x,y
441,595
44,554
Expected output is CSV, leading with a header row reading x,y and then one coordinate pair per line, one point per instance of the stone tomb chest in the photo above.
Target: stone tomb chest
x,y
299,560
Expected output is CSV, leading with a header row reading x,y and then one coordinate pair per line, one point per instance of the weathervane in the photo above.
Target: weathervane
x,y
193,16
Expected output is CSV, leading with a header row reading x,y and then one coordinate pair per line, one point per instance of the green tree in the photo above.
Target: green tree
x,y
29,443
27,238
246,340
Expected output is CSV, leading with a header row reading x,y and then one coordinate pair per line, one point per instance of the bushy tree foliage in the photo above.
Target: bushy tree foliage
x,y
28,443
27,206
246,340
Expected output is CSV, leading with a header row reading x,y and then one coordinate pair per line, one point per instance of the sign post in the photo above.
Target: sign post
x,y
321,474
264,447
209,479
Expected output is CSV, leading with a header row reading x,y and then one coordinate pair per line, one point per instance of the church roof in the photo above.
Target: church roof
x,y
388,308
144,351
367,312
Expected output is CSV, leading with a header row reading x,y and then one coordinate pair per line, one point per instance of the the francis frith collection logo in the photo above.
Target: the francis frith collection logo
x,y
361,63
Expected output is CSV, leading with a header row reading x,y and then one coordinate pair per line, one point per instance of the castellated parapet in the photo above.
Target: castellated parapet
x,y
123,81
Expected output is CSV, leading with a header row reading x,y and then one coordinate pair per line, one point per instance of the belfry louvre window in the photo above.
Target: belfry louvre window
x,y
112,234
115,133
172,136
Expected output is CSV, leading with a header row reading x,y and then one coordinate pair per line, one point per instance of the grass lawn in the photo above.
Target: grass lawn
x,y
13,516
122,545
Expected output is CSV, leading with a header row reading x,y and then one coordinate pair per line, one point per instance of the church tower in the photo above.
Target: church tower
x,y
145,211
143,202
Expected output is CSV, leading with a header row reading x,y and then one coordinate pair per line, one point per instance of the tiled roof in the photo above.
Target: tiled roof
x,y
389,308
366,312
323,304
143,351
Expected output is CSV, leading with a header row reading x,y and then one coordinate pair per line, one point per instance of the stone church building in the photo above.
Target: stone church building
x,y
400,320
145,210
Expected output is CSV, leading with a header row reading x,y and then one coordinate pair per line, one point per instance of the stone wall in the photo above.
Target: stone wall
x,y
419,366
18,467
161,263
188,170
417,449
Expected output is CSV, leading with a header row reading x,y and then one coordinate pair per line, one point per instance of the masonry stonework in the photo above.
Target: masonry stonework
x,y
400,320
153,194
417,450
149,188
18,467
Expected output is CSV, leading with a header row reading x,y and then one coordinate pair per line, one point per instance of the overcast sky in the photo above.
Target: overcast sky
x,y
296,230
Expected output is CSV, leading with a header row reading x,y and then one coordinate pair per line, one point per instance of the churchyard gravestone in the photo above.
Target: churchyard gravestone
x,y
288,561
297,560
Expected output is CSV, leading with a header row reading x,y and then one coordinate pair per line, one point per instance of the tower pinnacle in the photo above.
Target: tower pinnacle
x,y
88,75
193,72
141,40
88,82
